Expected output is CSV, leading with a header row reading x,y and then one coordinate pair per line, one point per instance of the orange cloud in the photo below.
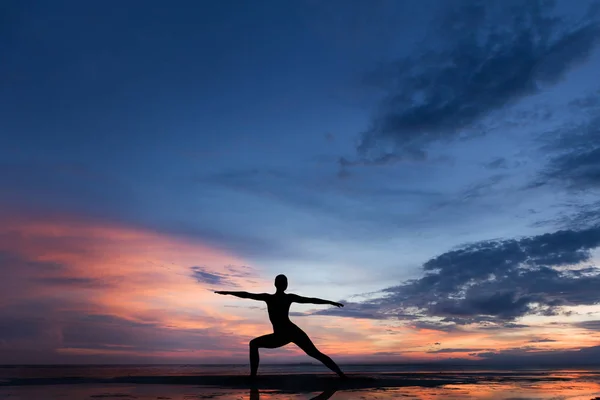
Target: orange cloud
x,y
89,267
79,287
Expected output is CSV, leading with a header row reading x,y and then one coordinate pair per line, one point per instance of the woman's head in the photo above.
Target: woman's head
x,y
281,282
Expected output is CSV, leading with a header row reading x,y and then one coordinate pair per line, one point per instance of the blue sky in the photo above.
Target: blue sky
x,y
344,143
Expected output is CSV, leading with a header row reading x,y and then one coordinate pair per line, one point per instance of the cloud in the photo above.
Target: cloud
x,y
545,340
494,55
86,290
501,325
354,310
575,158
457,350
110,332
528,355
386,158
492,283
16,328
46,188
430,325
387,353
314,196
579,214
588,102
202,275
498,163
80,282
206,277
474,192
591,325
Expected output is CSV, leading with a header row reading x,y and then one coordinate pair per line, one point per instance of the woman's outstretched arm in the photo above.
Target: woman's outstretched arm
x,y
246,295
313,300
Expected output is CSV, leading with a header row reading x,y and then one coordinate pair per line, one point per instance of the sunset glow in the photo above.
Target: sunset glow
x,y
433,166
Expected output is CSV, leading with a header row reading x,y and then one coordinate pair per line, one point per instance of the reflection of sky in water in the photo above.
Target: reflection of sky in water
x,y
582,386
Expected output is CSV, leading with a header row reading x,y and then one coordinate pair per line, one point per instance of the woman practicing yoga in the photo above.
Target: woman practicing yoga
x,y
284,330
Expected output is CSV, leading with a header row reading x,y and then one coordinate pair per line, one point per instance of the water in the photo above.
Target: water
x,y
476,383
110,371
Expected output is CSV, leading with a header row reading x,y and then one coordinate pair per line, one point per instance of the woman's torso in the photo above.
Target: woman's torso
x,y
278,307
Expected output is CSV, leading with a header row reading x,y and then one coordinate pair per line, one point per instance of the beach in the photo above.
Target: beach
x,y
175,383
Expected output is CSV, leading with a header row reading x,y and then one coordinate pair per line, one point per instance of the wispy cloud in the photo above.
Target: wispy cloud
x,y
528,355
456,350
81,288
227,278
480,68
591,325
574,158
544,340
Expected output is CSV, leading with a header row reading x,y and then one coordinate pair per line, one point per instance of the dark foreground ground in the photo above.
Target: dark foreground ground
x,y
572,385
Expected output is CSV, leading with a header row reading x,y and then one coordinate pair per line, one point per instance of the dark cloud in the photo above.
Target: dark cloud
x,y
10,261
591,325
492,283
14,328
578,169
501,325
206,277
354,310
30,325
577,215
432,326
101,331
574,157
76,282
457,350
495,54
585,215
89,331
545,340
387,353
219,279
529,355
486,188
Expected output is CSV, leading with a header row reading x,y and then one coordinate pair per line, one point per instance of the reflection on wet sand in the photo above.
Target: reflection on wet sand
x,y
571,390
539,385
255,395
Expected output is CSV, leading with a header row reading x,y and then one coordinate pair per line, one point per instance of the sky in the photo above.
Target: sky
x,y
434,165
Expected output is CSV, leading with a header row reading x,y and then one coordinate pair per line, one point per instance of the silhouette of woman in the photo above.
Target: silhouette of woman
x,y
284,330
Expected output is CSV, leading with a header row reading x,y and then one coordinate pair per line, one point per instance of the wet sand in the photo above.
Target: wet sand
x,y
481,385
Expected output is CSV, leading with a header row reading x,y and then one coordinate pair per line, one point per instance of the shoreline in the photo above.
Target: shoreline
x,y
297,382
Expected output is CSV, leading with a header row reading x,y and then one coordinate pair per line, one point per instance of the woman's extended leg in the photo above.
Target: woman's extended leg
x,y
302,340
270,341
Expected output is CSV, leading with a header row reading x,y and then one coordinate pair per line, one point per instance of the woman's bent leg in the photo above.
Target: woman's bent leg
x,y
270,341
